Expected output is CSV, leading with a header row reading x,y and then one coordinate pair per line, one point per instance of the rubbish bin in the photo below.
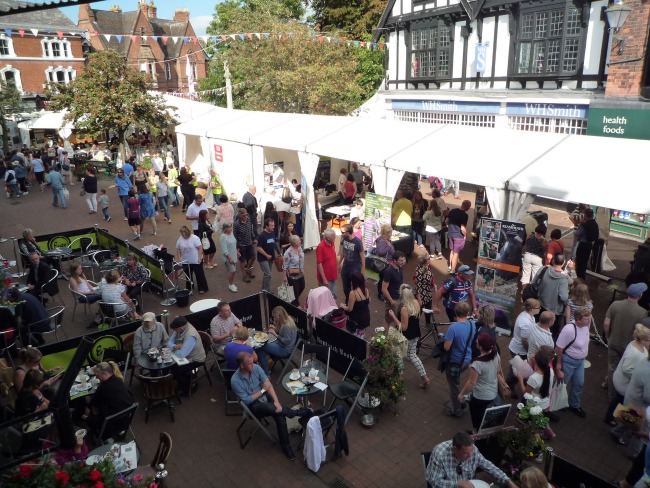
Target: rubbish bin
x,y
182,298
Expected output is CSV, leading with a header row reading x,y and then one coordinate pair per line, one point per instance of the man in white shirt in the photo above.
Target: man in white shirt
x,y
192,213
157,163
540,334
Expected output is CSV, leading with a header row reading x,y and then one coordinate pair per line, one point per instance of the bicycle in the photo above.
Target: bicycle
x,y
432,329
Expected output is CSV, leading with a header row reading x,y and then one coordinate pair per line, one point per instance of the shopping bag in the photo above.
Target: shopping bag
x,y
279,262
559,396
285,292
66,193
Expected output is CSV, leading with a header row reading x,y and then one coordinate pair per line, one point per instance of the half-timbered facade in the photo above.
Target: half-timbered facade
x,y
536,65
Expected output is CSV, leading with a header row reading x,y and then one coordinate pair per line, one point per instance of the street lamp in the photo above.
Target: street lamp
x,y
616,17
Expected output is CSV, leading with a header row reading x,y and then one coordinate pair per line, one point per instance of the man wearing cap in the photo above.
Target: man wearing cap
x,y
151,334
618,327
185,342
455,290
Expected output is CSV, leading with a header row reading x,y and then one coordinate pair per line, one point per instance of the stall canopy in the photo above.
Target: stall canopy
x,y
596,170
49,120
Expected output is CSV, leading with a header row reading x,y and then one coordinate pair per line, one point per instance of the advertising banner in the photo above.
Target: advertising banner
x,y
344,346
499,267
378,212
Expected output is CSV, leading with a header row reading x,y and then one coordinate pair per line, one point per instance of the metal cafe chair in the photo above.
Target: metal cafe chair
x,y
286,362
351,387
50,286
115,426
110,313
231,398
55,321
321,351
77,299
259,423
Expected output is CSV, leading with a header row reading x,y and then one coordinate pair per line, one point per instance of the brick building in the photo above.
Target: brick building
x,y
159,47
39,47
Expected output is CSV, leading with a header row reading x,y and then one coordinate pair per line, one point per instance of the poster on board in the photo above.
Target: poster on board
x,y
378,212
498,268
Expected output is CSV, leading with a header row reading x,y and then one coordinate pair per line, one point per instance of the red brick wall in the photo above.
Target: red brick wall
x,y
624,80
32,72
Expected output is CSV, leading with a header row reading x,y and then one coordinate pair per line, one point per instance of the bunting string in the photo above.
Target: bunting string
x,y
214,91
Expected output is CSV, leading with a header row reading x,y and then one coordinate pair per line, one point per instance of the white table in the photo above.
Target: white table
x,y
340,212
201,305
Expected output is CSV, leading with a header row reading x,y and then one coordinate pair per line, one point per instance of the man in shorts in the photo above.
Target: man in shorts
x,y
457,232
246,244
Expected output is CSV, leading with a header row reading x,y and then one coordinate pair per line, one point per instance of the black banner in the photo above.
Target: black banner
x,y
248,310
298,315
344,346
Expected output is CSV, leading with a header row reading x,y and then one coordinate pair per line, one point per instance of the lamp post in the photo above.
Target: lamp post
x,y
616,17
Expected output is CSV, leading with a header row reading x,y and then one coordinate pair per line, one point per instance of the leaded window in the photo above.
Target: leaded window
x,y
431,52
549,41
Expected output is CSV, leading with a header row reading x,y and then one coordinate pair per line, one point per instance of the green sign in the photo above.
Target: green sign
x,y
619,122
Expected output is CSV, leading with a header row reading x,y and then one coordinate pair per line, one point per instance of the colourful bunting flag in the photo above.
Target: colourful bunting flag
x,y
21,32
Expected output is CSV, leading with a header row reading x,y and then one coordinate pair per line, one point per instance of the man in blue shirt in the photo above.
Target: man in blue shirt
x,y
123,184
252,387
128,167
458,341
455,290
56,182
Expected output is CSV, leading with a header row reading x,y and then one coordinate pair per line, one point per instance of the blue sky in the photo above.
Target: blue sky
x,y
200,12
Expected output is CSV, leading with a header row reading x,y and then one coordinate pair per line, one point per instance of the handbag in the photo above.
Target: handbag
x,y
444,361
402,342
376,264
504,390
82,193
66,193
559,396
532,290
285,292
205,242
279,262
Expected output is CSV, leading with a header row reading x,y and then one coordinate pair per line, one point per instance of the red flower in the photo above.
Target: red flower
x,y
94,475
25,470
99,484
62,477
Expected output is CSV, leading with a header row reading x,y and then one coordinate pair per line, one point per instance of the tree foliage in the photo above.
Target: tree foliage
x,y
10,103
358,17
295,73
109,95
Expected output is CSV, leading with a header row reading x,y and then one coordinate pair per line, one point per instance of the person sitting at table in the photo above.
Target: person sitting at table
x,y
223,326
151,334
39,274
133,275
453,463
284,328
185,342
28,245
252,386
238,344
80,284
29,311
112,396
30,360
114,292
30,399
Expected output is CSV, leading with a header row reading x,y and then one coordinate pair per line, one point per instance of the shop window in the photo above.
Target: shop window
x,y
549,41
431,52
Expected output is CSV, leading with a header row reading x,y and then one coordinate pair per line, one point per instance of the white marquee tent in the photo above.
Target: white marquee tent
x,y
514,165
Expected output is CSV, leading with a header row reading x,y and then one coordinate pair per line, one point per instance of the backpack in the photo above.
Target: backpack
x,y
10,177
286,195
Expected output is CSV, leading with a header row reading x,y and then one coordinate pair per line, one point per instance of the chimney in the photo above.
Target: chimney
x,y
153,10
144,7
182,15
115,8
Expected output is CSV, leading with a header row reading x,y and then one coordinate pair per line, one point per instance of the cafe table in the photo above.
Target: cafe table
x,y
300,386
59,253
205,304
157,369
124,457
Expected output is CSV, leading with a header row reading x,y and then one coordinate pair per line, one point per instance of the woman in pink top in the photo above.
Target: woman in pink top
x,y
225,212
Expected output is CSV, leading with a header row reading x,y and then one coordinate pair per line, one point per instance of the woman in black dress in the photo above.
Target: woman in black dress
x,y
205,229
286,236
187,189
358,307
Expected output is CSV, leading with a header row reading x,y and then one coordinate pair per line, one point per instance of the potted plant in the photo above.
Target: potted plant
x,y
146,162
385,381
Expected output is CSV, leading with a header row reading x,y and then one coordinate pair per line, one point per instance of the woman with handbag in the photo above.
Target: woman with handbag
x,y
383,248
294,268
206,231
408,322
358,307
482,381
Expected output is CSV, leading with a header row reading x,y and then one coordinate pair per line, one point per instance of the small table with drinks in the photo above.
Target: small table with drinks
x,y
304,382
158,361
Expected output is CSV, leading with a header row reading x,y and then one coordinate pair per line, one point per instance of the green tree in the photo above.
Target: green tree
x,y
110,95
358,17
10,103
290,71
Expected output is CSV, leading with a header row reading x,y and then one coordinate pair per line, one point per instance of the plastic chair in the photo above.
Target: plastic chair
x,y
351,387
109,312
259,424
115,426
158,390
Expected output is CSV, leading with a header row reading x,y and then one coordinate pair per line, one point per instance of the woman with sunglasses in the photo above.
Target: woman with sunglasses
x,y
408,320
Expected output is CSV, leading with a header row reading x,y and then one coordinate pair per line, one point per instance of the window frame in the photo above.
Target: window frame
x,y
52,74
553,46
63,47
9,46
18,82
441,27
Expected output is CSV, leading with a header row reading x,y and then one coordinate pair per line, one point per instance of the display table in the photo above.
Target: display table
x,y
338,215
403,243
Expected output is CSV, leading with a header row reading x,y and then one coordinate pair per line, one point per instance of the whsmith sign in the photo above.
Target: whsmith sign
x,y
617,122
558,110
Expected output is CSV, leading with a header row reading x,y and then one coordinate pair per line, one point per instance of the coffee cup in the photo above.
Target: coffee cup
x,y
81,433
